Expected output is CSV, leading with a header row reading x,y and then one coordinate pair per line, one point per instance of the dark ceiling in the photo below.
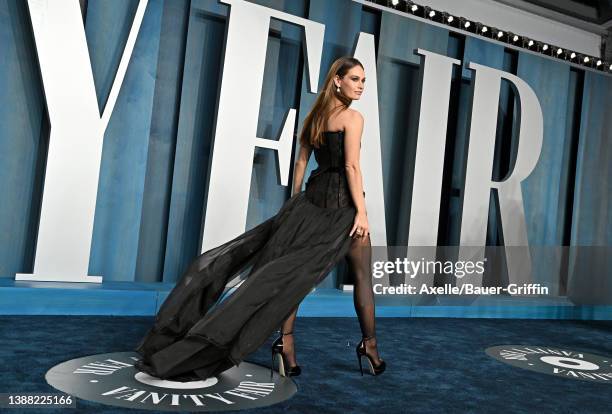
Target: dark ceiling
x,y
593,11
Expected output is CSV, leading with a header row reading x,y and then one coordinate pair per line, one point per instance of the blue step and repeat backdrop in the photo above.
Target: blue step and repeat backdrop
x,y
157,148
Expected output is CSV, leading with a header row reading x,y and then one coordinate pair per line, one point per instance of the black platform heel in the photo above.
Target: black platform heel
x,y
283,368
361,351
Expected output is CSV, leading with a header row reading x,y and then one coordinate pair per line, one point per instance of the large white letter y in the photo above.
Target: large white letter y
x,y
75,143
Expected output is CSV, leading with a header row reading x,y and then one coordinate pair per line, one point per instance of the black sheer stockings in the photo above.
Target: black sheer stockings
x,y
359,259
289,350
288,346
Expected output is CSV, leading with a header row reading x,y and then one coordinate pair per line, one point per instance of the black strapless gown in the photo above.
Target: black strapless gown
x,y
196,336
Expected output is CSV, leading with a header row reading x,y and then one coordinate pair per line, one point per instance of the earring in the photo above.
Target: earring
x,y
337,89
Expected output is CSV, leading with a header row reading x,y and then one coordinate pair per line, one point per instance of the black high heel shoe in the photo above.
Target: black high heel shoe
x,y
283,368
361,351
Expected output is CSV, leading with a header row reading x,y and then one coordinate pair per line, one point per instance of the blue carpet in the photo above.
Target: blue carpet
x,y
434,364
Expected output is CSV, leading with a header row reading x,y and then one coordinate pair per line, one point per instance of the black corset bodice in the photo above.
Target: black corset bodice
x,y
327,186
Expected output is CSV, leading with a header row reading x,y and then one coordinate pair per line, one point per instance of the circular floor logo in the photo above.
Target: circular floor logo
x,y
112,379
555,361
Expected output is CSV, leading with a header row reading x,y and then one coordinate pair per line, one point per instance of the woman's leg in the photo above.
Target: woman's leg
x,y
359,260
288,344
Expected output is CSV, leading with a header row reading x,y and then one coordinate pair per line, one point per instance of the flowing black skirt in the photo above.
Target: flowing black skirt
x,y
290,253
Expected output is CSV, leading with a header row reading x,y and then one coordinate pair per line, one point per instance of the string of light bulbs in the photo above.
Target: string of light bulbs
x,y
483,30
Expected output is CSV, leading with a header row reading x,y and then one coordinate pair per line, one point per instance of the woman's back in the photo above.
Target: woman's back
x,y
327,186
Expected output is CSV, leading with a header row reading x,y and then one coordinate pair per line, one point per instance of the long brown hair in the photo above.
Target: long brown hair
x,y
314,124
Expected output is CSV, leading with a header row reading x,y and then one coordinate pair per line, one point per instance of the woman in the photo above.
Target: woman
x,y
196,336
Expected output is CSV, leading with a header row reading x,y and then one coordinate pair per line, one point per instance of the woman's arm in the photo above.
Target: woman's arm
x,y
300,168
352,147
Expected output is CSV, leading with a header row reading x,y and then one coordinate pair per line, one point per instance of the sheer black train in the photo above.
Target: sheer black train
x,y
195,336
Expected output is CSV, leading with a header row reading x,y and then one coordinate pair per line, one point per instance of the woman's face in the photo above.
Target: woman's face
x,y
353,82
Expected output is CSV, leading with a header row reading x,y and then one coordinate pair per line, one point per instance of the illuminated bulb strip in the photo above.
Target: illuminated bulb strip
x,y
515,38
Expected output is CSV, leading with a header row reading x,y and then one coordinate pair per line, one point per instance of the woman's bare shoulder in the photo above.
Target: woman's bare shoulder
x,y
351,116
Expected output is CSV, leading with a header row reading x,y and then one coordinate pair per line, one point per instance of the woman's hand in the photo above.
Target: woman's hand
x,y
361,228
